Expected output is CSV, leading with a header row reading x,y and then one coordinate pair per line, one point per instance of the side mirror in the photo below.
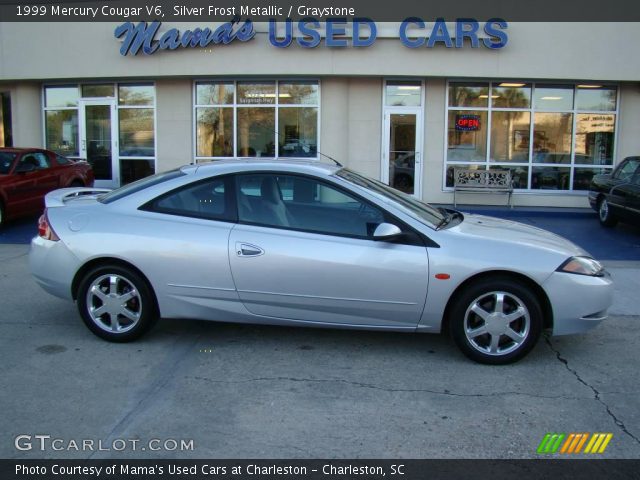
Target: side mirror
x,y
386,231
25,168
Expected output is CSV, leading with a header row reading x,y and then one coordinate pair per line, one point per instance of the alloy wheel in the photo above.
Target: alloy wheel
x,y
604,210
113,303
497,323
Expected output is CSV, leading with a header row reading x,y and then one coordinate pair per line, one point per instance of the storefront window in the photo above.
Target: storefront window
x,y
537,131
468,94
256,127
552,137
594,138
553,97
97,90
251,93
62,132
136,132
509,136
256,119
129,95
550,178
214,93
132,169
214,132
63,96
511,95
298,132
299,93
467,136
595,97
401,93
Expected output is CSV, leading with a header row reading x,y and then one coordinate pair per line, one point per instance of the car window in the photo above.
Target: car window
x,y
303,203
6,159
418,209
208,199
37,159
626,170
138,185
60,160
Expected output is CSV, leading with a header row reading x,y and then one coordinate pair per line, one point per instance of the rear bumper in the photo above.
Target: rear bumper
x,y
53,266
579,302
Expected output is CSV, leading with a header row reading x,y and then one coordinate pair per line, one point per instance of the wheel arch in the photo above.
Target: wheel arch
x,y
104,261
541,295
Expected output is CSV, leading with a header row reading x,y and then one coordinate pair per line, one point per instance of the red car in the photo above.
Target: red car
x,y
28,174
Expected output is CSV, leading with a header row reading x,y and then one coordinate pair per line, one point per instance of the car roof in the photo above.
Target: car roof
x,y
239,165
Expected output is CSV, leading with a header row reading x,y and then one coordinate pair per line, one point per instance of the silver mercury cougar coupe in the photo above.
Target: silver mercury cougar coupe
x,y
309,244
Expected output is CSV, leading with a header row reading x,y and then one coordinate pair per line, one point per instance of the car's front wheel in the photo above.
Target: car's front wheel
x,y
496,321
116,303
605,215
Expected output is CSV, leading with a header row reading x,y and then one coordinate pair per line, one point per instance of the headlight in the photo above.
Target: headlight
x,y
582,266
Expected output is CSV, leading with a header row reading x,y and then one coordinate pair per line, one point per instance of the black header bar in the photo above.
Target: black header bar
x,y
262,11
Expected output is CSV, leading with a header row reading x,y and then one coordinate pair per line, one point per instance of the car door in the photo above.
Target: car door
x,y
38,182
630,198
181,244
303,250
620,183
22,194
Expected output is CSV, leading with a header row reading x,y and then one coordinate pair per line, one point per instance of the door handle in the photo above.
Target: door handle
x,y
248,250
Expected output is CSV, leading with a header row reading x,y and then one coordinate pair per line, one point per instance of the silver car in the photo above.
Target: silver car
x,y
309,244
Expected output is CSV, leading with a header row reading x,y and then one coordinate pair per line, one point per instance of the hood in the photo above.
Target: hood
x,y
508,231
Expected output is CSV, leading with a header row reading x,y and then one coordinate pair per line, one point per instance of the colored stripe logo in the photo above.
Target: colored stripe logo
x,y
573,443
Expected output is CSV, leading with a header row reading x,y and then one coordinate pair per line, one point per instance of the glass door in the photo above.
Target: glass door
x,y
99,140
401,160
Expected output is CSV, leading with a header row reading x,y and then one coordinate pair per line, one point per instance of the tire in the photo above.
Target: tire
x,y
3,218
607,219
76,184
500,337
132,319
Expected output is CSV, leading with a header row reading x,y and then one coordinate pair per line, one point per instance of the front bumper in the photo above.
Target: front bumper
x,y
53,266
593,200
579,302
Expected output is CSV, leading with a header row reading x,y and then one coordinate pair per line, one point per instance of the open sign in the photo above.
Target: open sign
x,y
467,123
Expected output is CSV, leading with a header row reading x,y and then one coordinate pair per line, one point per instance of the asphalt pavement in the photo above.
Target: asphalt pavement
x,y
270,392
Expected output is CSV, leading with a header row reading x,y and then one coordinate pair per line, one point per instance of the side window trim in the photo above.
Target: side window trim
x,y
231,216
423,241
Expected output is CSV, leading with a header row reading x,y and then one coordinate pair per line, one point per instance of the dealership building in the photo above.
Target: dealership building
x,y
405,103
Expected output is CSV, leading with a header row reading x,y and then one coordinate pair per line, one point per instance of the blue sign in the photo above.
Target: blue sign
x,y
414,32
143,36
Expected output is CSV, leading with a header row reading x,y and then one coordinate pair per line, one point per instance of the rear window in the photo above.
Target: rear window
x,y
138,185
6,159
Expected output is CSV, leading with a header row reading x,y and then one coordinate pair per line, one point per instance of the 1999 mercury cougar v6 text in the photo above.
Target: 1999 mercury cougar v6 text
x,y
309,244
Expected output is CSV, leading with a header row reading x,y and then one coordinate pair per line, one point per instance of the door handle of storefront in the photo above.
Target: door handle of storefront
x,y
417,157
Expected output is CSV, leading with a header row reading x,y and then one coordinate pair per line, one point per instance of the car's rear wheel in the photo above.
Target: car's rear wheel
x,y
76,184
496,321
116,303
606,217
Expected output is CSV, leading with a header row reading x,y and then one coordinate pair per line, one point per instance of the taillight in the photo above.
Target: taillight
x,y
44,228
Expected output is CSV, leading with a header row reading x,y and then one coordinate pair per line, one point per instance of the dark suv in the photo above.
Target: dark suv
x,y
617,196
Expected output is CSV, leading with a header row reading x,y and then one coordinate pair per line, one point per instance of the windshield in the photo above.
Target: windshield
x,y
6,159
422,210
138,185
